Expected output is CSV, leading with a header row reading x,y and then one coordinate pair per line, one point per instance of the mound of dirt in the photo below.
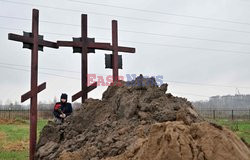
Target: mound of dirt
x,y
138,120
175,140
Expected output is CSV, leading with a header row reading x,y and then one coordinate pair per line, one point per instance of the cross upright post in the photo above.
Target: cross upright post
x,y
84,60
34,42
115,48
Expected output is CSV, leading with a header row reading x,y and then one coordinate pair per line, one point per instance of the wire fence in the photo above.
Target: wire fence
x,y
232,114
24,114
243,114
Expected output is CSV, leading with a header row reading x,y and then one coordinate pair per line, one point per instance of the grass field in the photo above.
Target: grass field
x,y
14,138
241,128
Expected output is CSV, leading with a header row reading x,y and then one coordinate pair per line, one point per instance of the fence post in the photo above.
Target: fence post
x,y
249,114
9,112
232,114
213,114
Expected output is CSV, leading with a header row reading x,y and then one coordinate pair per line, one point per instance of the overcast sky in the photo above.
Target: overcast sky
x,y
188,42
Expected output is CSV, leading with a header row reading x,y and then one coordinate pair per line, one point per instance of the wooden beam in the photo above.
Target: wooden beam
x,y
79,94
28,95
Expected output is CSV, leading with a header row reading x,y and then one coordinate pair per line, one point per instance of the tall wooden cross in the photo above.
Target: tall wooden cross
x,y
36,43
115,48
84,45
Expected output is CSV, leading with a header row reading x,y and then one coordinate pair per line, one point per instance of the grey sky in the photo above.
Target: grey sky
x,y
176,64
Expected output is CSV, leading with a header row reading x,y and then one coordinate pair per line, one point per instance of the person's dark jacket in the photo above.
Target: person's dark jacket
x,y
60,108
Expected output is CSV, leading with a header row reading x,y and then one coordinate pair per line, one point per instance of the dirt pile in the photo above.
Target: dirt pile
x,y
137,120
177,141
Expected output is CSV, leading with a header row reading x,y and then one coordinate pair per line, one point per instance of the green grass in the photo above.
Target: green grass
x,y
21,155
18,132
240,127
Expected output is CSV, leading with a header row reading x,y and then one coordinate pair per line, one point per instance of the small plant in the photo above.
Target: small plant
x,y
235,125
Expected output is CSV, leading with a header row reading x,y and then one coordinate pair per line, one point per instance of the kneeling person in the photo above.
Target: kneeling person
x,y
62,109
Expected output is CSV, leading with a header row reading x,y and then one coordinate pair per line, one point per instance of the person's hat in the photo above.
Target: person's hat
x,y
64,96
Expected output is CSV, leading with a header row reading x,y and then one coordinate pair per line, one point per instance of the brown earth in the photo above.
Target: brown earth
x,y
12,121
16,146
138,122
176,141
2,135
12,146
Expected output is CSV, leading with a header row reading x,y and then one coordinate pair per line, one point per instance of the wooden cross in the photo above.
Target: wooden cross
x,y
84,45
34,42
115,48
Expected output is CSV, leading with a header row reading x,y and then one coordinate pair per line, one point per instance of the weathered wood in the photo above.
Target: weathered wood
x,y
79,94
35,41
28,95
115,48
